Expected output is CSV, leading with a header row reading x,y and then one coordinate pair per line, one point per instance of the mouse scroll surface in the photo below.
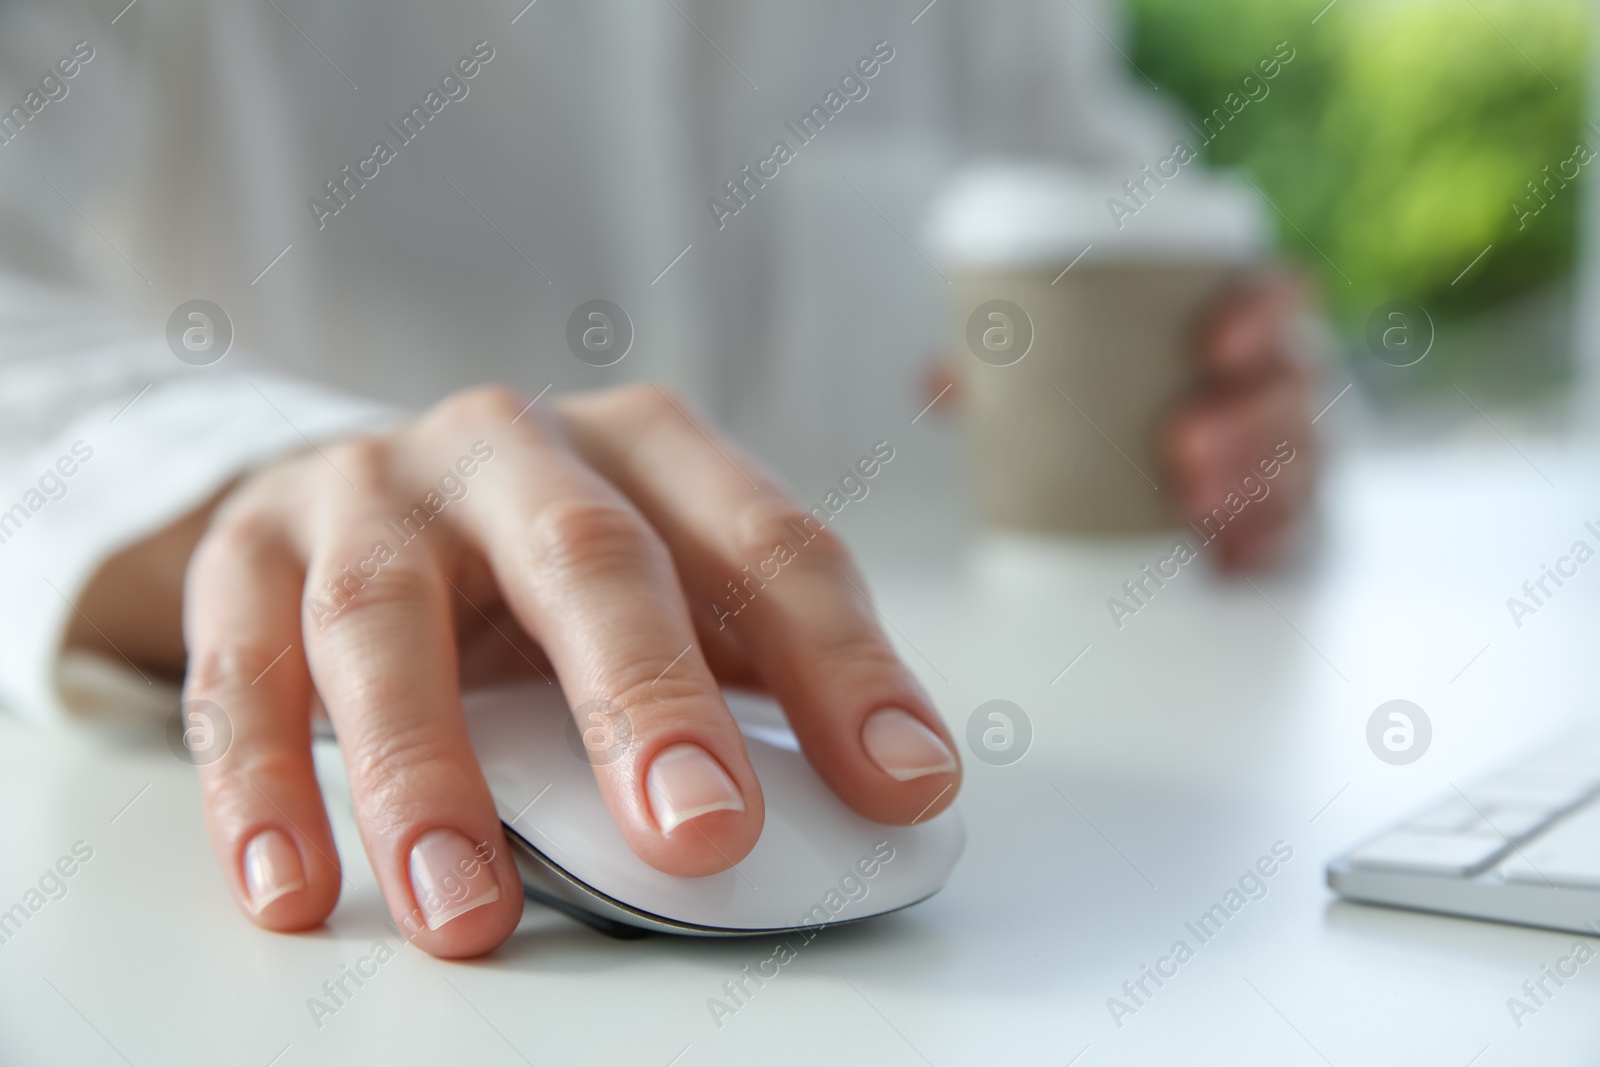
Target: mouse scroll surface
x,y
817,861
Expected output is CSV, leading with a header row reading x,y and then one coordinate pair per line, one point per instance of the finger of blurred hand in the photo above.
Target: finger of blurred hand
x,y
263,808
1217,441
591,581
941,385
800,612
1253,329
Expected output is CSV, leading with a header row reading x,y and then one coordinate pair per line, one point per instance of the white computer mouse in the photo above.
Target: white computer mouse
x,y
817,862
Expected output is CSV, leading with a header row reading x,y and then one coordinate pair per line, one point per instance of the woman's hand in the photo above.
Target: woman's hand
x,y
1255,394
587,539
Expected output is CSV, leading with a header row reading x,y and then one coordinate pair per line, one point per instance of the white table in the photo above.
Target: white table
x,y
1171,756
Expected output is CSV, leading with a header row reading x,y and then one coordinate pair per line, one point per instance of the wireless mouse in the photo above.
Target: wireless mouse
x,y
817,862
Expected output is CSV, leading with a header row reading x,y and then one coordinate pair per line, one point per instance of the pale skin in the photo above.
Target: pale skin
x,y
1255,392
590,550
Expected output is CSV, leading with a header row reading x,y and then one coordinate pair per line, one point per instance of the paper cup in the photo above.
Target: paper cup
x,y
1076,301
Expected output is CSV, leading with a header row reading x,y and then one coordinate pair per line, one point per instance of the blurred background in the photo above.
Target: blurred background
x,y
1429,151
1402,148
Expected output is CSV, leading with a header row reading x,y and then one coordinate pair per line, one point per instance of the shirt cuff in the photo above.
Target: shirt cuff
x,y
118,473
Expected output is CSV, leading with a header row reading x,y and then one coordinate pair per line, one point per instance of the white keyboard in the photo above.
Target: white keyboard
x,y
1521,847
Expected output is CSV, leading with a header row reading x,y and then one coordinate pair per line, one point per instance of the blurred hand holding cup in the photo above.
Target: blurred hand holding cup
x,y
1074,322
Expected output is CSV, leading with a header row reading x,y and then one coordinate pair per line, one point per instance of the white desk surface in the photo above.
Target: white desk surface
x,y
1214,724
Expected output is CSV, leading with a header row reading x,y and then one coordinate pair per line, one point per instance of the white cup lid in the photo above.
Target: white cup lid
x,y
1033,215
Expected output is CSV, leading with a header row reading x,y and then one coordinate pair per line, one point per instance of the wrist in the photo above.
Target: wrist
x,y
133,605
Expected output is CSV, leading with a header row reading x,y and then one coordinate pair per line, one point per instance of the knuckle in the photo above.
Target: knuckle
x,y
857,654
480,404
781,533
399,588
589,536
367,461
675,693
232,664
238,537
390,767
249,767
645,404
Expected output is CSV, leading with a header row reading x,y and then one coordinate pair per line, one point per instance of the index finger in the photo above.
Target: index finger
x,y
812,634
1249,332
590,580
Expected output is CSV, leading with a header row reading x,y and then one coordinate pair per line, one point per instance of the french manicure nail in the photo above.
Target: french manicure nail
x,y
272,868
449,877
904,747
684,783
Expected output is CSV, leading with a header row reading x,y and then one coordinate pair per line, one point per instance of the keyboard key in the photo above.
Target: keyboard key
x,y
1453,855
1515,823
1454,814
1521,790
1574,764
1568,854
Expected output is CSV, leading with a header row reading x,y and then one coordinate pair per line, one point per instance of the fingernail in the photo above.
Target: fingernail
x,y
271,868
898,742
684,783
449,877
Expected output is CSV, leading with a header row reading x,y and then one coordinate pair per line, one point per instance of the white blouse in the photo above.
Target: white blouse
x,y
532,159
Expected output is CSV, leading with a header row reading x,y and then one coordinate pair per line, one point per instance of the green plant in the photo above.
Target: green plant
x,y
1398,140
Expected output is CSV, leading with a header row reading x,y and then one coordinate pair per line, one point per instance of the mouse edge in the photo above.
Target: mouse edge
x,y
546,881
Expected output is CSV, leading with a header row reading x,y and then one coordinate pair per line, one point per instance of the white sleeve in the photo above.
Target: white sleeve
x,y
105,437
